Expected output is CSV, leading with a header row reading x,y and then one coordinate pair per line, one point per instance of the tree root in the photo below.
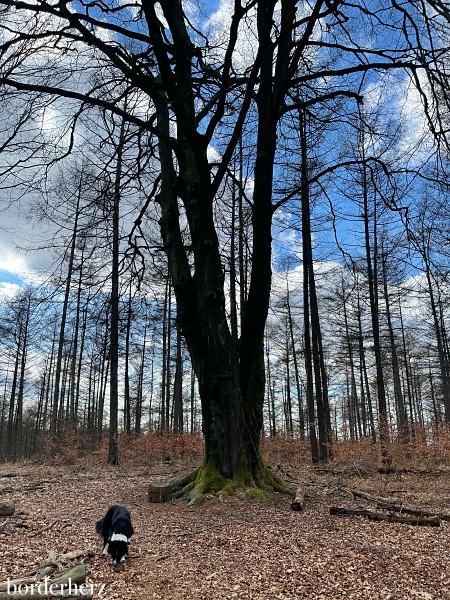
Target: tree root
x,y
207,479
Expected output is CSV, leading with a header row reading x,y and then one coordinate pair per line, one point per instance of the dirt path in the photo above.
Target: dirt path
x,y
238,549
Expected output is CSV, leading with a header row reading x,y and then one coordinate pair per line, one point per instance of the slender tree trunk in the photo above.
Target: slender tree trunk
x,y
11,444
289,424
399,402
102,385
113,452
163,424
127,406
443,364
19,448
311,318
62,329
178,388
353,390
406,363
192,401
372,281
241,241
233,300
296,371
139,395
80,363
152,384
73,365
168,357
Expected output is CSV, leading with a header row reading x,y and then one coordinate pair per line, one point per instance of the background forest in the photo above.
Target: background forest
x,y
356,345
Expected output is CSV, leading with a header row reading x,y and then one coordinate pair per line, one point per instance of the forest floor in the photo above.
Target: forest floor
x,y
236,549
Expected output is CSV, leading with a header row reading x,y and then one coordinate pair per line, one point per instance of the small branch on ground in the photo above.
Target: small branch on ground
x,y
390,518
370,497
399,508
47,528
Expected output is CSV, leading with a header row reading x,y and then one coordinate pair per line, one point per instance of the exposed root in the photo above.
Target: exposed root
x,y
207,479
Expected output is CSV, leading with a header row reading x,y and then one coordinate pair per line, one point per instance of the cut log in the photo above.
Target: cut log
x,y
399,508
298,503
390,518
7,509
160,491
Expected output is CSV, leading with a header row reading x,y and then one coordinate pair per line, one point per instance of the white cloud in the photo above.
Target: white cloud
x,y
8,290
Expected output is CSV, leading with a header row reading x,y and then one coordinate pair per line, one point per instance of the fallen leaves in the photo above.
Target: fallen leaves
x,y
237,549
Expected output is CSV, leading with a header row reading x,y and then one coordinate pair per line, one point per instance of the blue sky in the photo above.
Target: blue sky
x,y
8,277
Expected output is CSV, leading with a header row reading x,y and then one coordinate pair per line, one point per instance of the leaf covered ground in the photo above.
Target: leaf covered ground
x,y
238,549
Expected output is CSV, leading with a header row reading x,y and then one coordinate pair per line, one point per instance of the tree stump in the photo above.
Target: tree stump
x,y
7,509
298,503
160,491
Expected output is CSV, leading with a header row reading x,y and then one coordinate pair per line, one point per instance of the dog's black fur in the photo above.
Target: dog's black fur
x,y
116,522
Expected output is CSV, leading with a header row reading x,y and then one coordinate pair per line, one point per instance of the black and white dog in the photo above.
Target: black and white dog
x,y
116,530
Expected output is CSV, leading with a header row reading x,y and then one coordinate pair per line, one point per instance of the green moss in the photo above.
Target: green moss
x,y
278,484
254,493
208,479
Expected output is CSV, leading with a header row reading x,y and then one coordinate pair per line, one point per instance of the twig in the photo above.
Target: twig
x,y
413,511
338,511
47,528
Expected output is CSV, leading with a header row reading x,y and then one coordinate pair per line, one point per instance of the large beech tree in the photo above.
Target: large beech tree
x,y
193,89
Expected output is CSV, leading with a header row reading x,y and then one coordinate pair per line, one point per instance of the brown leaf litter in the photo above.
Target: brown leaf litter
x,y
237,549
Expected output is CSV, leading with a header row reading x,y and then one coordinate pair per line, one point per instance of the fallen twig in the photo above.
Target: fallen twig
x,y
399,508
47,528
390,518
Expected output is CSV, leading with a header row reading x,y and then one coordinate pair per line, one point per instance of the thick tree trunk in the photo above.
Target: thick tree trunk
x,y
231,381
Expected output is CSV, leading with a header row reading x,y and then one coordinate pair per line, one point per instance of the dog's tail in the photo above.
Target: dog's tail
x,y
99,526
